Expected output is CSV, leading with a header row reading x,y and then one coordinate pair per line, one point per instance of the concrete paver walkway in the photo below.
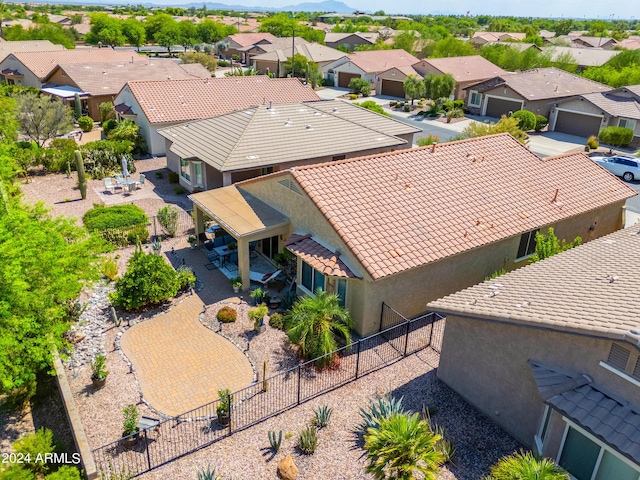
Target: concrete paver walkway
x,y
181,364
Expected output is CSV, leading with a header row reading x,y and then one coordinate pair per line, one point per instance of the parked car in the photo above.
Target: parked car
x,y
621,165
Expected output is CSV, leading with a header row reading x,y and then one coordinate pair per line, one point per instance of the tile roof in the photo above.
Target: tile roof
x,y
372,61
312,51
466,69
591,289
401,210
109,78
370,37
261,136
614,105
318,256
42,63
543,83
521,47
27,46
165,101
589,57
278,43
553,381
247,39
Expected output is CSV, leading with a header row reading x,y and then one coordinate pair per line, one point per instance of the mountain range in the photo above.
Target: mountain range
x,y
324,6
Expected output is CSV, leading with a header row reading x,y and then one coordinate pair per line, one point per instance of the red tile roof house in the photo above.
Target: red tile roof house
x,y
408,227
155,104
238,41
366,65
551,352
254,141
535,90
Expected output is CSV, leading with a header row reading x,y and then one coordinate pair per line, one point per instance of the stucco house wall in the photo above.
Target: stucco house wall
x,y
538,107
29,79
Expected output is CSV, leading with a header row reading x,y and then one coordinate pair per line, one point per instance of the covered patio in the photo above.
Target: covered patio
x,y
246,219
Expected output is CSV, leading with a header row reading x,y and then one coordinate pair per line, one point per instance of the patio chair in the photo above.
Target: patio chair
x,y
263,278
108,184
140,182
119,178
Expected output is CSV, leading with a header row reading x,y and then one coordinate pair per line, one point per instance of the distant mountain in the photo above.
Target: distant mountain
x,y
324,6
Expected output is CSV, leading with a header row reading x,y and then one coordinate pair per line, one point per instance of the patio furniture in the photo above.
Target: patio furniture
x,y
149,423
224,253
140,182
263,278
119,178
109,185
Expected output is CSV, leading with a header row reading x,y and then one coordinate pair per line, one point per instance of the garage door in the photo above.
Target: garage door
x,y
577,124
496,107
393,88
345,78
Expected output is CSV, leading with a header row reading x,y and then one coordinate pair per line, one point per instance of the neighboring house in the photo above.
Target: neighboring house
x,y
551,352
546,35
366,65
266,138
482,38
154,104
60,19
238,41
534,90
314,52
391,81
464,70
631,43
32,68
96,83
349,41
585,115
408,227
520,46
582,57
7,48
590,42
263,47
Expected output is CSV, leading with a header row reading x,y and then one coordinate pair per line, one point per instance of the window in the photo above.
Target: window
x,y
197,172
627,123
341,291
475,99
184,170
618,357
544,425
312,279
527,244
266,171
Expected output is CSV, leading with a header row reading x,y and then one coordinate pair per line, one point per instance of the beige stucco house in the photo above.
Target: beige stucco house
x,y
238,42
407,227
259,140
551,352
313,52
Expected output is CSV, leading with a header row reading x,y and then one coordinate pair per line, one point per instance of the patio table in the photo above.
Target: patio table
x,y
128,184
224,252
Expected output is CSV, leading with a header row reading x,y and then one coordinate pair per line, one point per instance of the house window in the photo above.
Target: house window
x,y
544,426
341,291
197,172
475,99
586,459
184,170
312,279
527,244
266,171
627,123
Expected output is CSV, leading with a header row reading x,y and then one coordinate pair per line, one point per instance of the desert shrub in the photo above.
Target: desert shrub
x,y
452,105
179,190
373,106
186,278
256,315
616,136
276,321
109,268
308,440
103,158
118,216
129,131
168,219
17,472
174,177
541,122
149,280
407,108
85,123
59,156
592,142
456,113
508,125
39,442
227,315
106,112
360,86
429,140
137,234
115,236
526,119
65,472
383,407
353,96
108,125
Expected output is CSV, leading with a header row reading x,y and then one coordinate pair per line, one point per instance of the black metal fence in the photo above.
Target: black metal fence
x,y
176,224
198,428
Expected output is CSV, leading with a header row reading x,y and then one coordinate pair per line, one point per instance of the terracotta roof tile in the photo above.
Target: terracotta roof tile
x,y
165,101
445,200
380,60
318,256
466,69
247,39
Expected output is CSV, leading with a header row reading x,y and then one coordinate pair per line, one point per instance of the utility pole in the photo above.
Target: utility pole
x,y
293,51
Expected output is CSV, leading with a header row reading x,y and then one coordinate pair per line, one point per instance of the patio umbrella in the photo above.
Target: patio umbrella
x,y
125,170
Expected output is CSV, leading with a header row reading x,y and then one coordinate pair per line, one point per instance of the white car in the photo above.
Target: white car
x,y
621,165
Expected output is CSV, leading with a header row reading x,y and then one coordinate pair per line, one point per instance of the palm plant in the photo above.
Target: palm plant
x,y
401,447
315,322
525,466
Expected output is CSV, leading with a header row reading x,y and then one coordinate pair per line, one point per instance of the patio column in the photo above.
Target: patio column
x,y
226,179
243,263
198,222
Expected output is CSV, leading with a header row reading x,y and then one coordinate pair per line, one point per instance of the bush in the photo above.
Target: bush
x,y
39,442
616,136
101,218
227,315
149,280
109,268
360,86
526,120
137,234
407,108
373,106
541,122
308,440
108,125
452,105
106,112
103,158
129,131
276,321
65,472
353,96
256,315
186,278
168,219
85,123
115,236
178,190
430,140
59,157
174,177
592,142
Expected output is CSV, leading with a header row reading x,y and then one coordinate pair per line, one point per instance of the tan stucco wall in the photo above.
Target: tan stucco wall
x,y
539,107
28,79
263,65
349,67
486,362
392,74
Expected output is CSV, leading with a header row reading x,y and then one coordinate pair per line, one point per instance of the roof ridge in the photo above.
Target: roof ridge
x,y
244,131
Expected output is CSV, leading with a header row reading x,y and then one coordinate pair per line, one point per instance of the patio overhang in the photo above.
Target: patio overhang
x,y
318,256
64,91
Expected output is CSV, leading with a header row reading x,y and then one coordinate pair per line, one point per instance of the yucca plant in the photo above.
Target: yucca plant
x,y
525,466
444,445
401,447
208,474
275,441
322,415
384,407
308,440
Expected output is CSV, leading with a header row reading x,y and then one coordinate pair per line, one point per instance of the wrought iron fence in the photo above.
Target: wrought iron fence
x,y
200,427
178,224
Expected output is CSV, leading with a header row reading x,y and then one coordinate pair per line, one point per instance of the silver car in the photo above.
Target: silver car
x,y
621,165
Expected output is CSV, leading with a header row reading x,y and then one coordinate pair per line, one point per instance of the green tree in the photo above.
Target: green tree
x,y
42,117
106,30
209,31
154,23
526,119
134,32
207,61
360,86
438,86
373,106
188,34
401,447
616,136
168,36
413,87
280,25
314,322
405,41
548,245
50,31
449,47
8,123
504,125
524,466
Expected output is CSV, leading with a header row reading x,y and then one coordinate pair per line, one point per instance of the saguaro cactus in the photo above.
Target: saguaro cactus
x,y
82,181
77,106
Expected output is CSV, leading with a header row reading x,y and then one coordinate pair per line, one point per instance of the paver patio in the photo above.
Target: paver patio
x,y
180,364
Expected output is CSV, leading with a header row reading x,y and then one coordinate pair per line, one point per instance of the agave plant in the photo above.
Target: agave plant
x,y
525,466
208,474
322,415
384,407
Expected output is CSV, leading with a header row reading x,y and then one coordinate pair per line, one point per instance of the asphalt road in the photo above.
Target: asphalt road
x,y
633,204
429,127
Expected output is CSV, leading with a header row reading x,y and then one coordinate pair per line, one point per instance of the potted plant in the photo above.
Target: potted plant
x,y
257,295
232,245
192,241
236,283
224,408
130,425
256,315
99,373
156,246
